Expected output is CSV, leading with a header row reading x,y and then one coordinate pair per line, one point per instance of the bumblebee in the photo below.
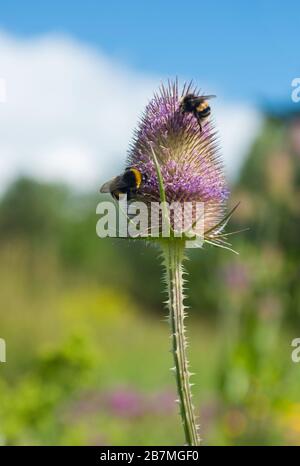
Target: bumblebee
x,y
128,183
197,105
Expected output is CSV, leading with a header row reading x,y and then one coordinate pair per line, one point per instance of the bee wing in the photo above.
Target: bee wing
x,y
117,182
201,98
207,97
105,188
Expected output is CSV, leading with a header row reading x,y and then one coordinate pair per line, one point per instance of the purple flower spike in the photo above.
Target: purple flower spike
x,y
189,158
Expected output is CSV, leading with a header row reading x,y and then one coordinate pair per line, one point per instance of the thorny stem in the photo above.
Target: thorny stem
x,y
173,252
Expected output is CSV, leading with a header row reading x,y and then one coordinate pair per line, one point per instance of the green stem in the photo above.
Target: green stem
x,y
173,257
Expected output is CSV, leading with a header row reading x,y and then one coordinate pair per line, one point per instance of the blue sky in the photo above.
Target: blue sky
x,y
248,51
68,66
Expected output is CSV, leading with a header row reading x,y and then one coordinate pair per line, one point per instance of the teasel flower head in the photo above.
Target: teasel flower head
x,y
189,159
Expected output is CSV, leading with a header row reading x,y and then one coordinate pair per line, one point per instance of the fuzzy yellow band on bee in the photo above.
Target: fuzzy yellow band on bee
x,y
202,106
138,176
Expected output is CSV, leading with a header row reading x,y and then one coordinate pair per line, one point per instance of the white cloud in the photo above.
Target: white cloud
x,y
238,125
70,111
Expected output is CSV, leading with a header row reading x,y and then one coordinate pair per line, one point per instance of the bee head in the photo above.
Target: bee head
x,y
187,103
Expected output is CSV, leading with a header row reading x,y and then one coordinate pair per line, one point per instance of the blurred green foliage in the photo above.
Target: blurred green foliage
x,y
87,348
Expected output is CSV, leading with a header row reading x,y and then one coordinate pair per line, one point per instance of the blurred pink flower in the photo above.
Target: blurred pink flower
x,y
236,276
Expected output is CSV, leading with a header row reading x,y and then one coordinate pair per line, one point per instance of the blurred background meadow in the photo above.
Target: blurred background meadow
x,y
87,346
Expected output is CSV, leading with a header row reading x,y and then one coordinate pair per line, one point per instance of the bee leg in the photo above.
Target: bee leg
x,y
198,119
128,194
133,193
200,124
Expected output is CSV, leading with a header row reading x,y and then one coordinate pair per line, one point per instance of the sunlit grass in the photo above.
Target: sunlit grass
x,y
87,364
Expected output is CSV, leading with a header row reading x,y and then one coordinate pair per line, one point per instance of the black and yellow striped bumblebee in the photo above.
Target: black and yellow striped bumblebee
x,y
197,105
128,183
